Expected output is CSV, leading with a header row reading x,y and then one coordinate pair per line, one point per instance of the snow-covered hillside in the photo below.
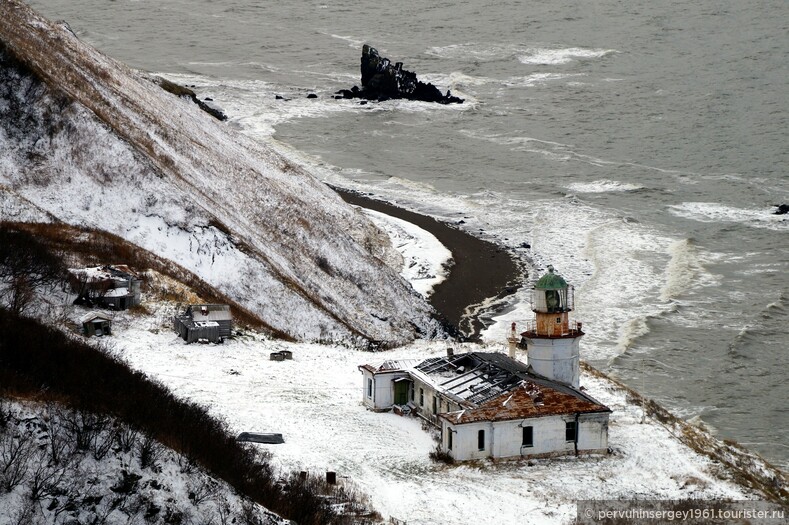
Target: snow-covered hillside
x,y
61,466
87,141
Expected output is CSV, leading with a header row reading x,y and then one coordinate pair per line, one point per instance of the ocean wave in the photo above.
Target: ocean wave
x,y
684,271
630,332
548,56
602,186
769,321
716,212
697,421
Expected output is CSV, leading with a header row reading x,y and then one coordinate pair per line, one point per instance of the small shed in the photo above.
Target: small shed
x,y
210,322
96,324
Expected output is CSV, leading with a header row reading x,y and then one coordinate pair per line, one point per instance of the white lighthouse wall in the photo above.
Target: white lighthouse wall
x,y
556,358
504,439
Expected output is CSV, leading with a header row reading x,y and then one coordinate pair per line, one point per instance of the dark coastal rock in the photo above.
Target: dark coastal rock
x,y
781,209
383,81
312,95
183,91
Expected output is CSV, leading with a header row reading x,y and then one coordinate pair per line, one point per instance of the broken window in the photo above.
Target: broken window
x,y
481,440
435,405
569,431
449,439
528,437
421,397
369,388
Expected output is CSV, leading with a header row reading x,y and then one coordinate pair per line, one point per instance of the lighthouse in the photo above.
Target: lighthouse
x,y
552,342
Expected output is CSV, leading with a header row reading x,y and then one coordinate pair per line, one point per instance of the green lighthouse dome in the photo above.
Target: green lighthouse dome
x,y
551,281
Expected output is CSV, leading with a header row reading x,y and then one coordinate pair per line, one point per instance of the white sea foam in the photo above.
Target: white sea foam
x,y
538,78
715,212
475,51
548,56
602,186
353,42
458,78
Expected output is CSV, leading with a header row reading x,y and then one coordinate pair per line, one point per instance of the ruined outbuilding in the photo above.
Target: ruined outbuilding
x,y
204,322
112,286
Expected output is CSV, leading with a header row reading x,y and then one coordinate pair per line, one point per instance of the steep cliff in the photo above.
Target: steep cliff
x,y
88,141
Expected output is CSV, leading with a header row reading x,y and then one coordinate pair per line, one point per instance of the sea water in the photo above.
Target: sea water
x,y
635,146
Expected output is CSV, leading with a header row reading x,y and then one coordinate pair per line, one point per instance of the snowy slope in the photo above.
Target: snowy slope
x,y
48,479
90,142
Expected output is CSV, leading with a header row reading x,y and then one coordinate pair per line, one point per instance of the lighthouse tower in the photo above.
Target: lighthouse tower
x,y
552,343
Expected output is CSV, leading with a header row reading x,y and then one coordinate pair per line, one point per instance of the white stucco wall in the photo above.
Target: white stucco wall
x,y
504,438
593,433
382,396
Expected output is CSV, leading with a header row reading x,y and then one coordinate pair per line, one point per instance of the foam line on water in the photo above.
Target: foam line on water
x,y
717,212
602,186
557,56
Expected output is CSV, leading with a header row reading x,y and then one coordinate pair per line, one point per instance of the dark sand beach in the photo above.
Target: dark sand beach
x,y
481,269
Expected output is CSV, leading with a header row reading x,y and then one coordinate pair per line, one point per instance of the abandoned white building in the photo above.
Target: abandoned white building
x,y
208,322
114,286
488,404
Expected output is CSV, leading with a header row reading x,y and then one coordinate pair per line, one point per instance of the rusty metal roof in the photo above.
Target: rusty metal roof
x,y
527,400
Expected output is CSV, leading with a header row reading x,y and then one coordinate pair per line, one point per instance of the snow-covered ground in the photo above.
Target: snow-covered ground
x,y
315,401
426,260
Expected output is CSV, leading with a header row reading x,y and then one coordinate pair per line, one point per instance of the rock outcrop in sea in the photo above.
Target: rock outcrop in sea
x,y
383,81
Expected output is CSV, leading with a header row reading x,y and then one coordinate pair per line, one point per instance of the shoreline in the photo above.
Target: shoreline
x,y
480,269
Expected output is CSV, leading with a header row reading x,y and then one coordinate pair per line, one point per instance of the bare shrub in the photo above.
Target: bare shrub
x,y
441,456
202,490
16,450
126,437
24,515
25,265
92,432
223,510
45,478
149,452
59,441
